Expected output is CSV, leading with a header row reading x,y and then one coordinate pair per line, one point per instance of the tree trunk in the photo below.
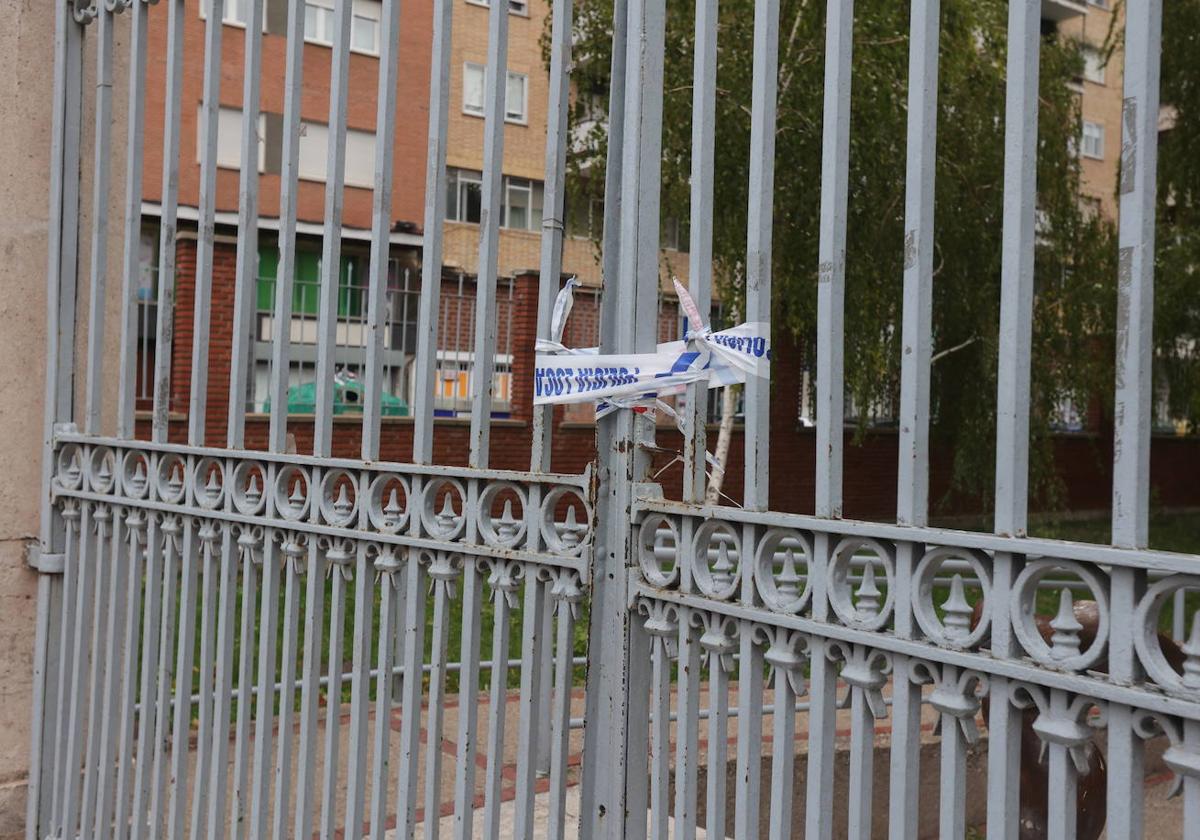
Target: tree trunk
x,y
728,408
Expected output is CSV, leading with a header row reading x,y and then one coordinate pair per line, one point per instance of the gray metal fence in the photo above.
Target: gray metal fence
x,y
238,643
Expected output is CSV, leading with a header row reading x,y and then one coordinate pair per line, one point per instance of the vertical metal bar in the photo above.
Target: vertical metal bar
x,y
103,517
210,574
637,750
660,739
165,330
172,529
718,745
560,719
1135,280
246,281
331,242
704,119
532,712
862,765
597,790
54,536
783,757
46,687
912,487
1016,280
439,641
209,117
435,214
1004,719
614,804
468,691
240,806
227,587
904,784
390,581
71,573
294,553
381,225
1013,386
285,277
913,484
822,713
553,206
1134,394
122,554
749,735
310,690
147,750
492,204
1191,785
101,177
687,729
127,382
264,709
1062,782
831,276
184,674
501,628
953,773
410,713
360,697
759,217
76,716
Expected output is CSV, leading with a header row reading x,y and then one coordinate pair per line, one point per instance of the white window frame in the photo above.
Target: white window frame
x,y
1096,75
467,107
510,116
232,21
472,110
509,183
365,9
313,166
471,176
515,7
227,162
1097,154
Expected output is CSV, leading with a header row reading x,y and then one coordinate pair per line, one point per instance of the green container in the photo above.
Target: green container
x,y
348,398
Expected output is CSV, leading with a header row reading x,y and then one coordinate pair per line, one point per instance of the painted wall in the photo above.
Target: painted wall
x,y
26,93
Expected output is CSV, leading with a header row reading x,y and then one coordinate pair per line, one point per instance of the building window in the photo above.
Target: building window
x,y
314,152
464,191
1093,140
364,24
516,7
229,138
522,208
1099,4
235,12
522,204
1093,65
516,95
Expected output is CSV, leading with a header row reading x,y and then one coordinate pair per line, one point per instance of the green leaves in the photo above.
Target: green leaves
x,y
1075,261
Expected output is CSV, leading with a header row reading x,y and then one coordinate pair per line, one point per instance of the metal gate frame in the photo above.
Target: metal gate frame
x,y
130,522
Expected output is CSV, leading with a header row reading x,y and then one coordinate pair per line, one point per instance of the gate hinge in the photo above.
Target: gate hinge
x,y
44,563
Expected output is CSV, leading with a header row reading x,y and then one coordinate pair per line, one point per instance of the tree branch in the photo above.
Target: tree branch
x,y
941,354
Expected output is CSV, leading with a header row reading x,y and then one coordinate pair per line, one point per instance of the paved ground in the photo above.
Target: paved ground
x,y
1163,816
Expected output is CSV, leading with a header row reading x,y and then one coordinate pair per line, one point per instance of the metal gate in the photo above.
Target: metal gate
x,y
195,598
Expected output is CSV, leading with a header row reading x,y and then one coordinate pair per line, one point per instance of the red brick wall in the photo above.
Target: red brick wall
x,y
412,98
1084,462
220,333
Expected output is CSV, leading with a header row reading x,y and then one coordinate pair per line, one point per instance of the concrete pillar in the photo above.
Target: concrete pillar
x,y
26,94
